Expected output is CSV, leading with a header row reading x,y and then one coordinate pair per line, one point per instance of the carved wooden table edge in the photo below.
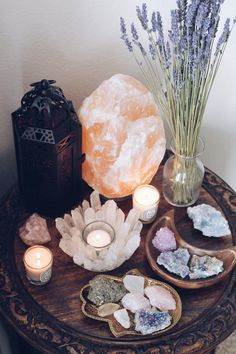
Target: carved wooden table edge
x,y
46,333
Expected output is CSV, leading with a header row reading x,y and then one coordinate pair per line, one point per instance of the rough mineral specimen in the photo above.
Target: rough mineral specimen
x,y
134,283
164,240
135,301
204,267
103,290
127,232
208,220
149,321
107,309
175,262
122,317
35,231
123,136
160,297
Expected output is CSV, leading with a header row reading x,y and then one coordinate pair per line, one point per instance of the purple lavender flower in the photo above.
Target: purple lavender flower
x,y
224,36
152,50
124,35
154,22
174,33
142,16
134,32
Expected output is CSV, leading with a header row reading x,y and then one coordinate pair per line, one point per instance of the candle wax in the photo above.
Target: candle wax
x,y
98,238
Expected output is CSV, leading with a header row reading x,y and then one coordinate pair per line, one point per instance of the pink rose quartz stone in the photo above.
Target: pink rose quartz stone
x,y
160,297
123,136
34,231
164,240
135,302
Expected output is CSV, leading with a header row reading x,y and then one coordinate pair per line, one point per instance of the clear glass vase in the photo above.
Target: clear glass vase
x,y
182,177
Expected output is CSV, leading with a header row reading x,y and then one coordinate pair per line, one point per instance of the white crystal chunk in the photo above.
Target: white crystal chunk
x,y
208,220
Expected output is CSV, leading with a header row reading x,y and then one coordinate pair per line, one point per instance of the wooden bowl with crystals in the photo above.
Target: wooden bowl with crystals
x,y
227,256
91,310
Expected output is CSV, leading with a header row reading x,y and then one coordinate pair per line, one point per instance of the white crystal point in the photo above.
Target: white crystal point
x,y
100,215
131,246
122,317
135,302
95,201
78,219
110,212
68,219
63,228
160,297
107,309
134,283
120,218
89,216
85,205
67,247
132,218
208,220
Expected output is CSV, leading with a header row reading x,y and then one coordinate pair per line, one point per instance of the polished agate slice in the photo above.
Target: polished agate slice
x,y
208,220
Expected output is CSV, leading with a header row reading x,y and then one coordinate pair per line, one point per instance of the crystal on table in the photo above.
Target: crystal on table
x,y
205,266
103,290
150,321
164,240
175,262
208,220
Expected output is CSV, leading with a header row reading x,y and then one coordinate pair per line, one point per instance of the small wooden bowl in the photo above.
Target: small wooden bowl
x,y
91,310
227,256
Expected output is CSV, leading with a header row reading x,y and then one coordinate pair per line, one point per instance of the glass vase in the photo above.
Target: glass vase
x,y
182,177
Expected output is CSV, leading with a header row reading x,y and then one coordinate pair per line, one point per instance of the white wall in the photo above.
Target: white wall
x,y
77,43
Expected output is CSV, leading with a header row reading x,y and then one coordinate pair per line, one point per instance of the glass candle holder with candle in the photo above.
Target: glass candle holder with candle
x,y
98,234
146,199
38,264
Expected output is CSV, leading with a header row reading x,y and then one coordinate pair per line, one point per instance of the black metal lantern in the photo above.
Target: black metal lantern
x,y
48,143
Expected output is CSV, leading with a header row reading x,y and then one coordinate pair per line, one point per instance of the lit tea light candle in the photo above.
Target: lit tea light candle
x,y
98,234
98,238
38,264
146,199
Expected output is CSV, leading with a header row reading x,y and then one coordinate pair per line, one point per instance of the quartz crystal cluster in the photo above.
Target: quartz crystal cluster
x,y
146,307
35,231
123,136
127,234
177,262
164,240
208,220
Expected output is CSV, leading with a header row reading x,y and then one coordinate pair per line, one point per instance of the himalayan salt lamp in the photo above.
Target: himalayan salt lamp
x,y
123,136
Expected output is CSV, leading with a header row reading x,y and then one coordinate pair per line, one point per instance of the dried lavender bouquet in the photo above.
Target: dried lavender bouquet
x,y
180,71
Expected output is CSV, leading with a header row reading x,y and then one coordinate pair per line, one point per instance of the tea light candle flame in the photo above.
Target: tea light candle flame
x,y
99,238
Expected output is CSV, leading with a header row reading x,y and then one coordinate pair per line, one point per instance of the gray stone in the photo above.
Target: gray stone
x,y
103,290
204,267
175,262
150,321
208,220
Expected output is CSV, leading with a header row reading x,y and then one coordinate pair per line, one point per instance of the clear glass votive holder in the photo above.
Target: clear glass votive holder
x,y
98,234
38,264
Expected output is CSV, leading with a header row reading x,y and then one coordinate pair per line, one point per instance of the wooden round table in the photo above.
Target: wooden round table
x,y
50,317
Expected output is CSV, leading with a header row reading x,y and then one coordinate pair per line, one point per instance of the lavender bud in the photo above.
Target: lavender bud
x,y
134,32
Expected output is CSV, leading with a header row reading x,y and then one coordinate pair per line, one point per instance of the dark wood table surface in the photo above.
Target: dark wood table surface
x,y
50,317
